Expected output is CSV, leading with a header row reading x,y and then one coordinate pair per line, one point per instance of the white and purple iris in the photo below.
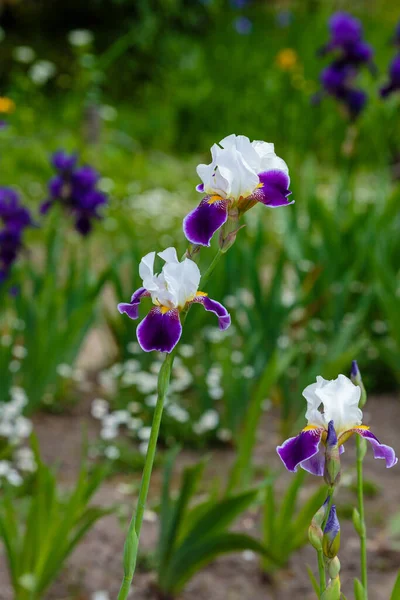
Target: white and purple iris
x,y
329,403
171,291
241,174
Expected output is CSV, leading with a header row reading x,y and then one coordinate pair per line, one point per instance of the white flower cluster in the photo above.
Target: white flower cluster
x,y
14,429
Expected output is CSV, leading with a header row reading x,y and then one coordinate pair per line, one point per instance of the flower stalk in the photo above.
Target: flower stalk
x,y
359,515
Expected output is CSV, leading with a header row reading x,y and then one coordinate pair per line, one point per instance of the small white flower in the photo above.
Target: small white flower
x,y
143,447
5,467
186,350
108,433
100,595
248,372
41,71
80,37
237,357
20,352
64,370
134,407
24,54
144,433
99,408
207,422
134,348
112,452
14,478
14,366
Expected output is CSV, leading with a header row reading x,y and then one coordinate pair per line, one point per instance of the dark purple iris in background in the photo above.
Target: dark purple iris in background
x,y
75,188
14,219
350,53
393,85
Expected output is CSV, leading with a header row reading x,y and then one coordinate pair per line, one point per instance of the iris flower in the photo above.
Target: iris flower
x,y
394,78
329,403
241,174
171,291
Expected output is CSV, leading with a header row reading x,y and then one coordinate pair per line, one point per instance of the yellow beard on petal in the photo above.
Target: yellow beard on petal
x,y
214,198
347,434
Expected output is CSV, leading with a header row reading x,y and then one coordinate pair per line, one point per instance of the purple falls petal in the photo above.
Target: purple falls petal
x,y
132,308
380,450
159,331
316,464
297,450
200,225
274,191
224,318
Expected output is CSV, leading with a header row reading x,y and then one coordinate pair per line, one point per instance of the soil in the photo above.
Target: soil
x,y
96,563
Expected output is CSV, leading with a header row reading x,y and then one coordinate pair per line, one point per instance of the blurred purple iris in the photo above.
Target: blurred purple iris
x,y
14,218
75,188
350,53
393,85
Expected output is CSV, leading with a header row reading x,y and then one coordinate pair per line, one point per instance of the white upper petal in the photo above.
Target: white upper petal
x,y
146,266
177,283
338,399
236,163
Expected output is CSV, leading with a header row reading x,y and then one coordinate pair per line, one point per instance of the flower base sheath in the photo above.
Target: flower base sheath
x,y
241,174
329,404
171,291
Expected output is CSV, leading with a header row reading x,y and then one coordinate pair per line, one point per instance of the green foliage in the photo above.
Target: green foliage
x,y
56,306
40,531
359,592
285,526
396,588
191,536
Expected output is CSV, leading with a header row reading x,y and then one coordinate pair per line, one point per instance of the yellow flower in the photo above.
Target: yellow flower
x,y
6,105
286,59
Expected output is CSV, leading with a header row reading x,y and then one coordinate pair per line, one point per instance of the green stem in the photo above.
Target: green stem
x,y
132,540
321,571
362,533
204,278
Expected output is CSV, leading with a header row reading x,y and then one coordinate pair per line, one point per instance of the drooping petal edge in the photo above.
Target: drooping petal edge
x,y
298,450
274,189
379,450
132,308
224,318
159,330
201,223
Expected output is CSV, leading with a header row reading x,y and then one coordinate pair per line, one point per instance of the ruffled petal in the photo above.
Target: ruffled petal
x,y
224,318
379,450
132,308
200,225
274,190
160,330
297,450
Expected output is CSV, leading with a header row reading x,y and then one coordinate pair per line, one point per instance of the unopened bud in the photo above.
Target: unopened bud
x,y
356,378
331,537
229,230
334,567
332,592
359,526
315,533
332,457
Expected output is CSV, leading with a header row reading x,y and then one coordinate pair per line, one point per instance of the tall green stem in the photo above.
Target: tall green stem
x,y
321,571
210,270
132,540
362,529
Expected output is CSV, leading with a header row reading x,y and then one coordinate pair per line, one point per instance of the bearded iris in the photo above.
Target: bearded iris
x,y
15,219
241,174
330,404
75,188
351,52
172,291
